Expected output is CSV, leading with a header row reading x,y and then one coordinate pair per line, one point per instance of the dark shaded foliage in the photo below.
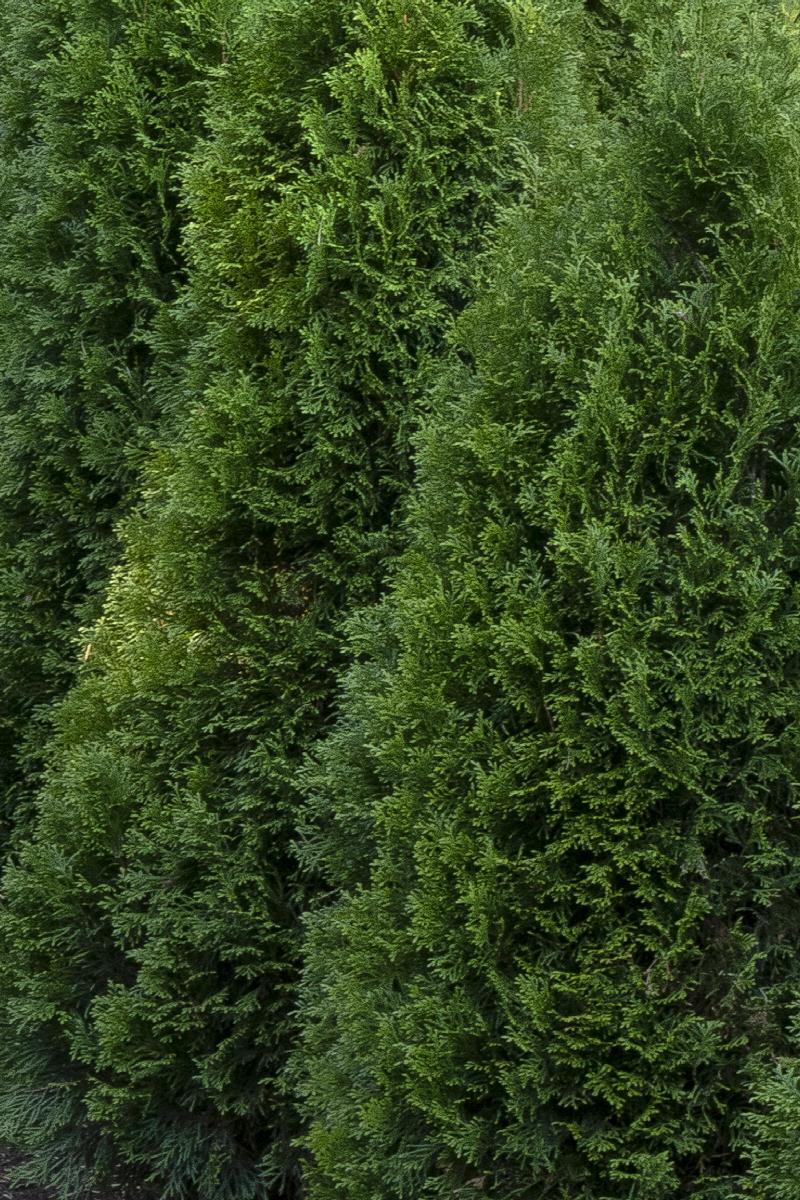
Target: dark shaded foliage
x,y
98,103
357,157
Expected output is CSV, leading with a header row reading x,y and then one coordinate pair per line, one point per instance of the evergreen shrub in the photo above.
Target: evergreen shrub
x,y
558,816
99,101
150,936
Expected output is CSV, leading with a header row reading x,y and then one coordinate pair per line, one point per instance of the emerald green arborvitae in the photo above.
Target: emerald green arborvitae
x,y
560,810
98,101
150,938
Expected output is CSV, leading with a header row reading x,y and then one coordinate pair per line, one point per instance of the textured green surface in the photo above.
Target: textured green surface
x,y
560,807
150,938
97,104
547,834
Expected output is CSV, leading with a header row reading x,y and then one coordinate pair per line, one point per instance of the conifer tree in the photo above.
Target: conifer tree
x,y
98,102
150,937
560,808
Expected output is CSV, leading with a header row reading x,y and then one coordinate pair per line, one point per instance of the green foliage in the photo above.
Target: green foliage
x,y
772,1134
150,938
98,102
558,814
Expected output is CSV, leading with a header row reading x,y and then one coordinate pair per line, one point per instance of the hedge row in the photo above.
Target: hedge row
x,y
403,407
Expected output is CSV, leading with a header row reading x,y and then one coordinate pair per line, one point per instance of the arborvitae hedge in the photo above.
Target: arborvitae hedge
x,y
150,937
98,101
562,802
